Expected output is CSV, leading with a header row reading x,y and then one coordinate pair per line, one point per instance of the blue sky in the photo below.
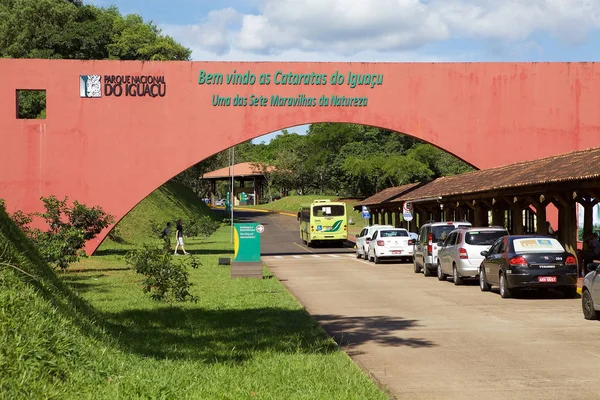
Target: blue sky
x,y
377,30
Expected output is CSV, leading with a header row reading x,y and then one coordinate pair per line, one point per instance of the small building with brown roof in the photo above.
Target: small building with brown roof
x,y
250,177
514,196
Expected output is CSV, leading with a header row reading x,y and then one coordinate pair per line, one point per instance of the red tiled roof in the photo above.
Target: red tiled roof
x,y
387,195
574,166
240,170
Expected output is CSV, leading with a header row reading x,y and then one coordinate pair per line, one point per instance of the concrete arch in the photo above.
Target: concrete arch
x,y
114,151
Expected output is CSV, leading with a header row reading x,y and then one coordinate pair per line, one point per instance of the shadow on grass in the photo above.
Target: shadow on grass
x,y
217,336
208,251
235,336
349,331
111,252
84,283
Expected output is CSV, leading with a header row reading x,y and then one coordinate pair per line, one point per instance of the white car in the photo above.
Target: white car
x,y
394,243
364,237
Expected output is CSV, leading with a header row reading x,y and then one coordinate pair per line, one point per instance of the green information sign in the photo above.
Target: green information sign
x,y
247,242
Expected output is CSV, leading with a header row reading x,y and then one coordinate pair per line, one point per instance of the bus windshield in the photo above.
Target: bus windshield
x,y
329,211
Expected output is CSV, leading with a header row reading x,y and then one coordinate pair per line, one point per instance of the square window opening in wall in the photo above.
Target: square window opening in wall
x,y
31,104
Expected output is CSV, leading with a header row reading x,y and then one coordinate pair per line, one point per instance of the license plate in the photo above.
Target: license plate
x,y
546,279
396,251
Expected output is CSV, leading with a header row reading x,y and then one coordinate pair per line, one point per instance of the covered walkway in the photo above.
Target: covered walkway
x,y
515,196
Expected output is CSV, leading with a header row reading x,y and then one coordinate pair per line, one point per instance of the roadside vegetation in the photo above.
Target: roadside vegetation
x,y
91,332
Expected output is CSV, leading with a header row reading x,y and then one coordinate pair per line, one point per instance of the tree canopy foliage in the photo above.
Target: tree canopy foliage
x,y
342,159
70,29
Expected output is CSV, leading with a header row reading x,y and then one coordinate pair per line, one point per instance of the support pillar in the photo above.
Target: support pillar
x,y
588,217
418,219
540,215
568,226
497,216
255,192
481,215
517,219
397,221
213,189
436,214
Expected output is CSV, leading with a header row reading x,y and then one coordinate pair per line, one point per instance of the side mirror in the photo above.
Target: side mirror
x,y
368,238
592,266
485,253
440,243
356,235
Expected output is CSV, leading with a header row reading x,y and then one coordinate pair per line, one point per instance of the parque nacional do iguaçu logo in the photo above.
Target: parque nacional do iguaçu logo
x,y
96,86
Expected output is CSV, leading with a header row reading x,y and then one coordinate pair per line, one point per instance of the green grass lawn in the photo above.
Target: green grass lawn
x,y
91,333
243,338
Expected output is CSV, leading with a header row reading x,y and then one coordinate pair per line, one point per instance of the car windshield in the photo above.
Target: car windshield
x,y
393,233
483,238
441,232
537,245
329,211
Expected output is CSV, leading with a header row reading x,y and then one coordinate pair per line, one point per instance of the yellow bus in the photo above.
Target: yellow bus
x,y
323,221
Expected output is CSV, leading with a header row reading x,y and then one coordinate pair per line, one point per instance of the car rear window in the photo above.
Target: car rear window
x,y
537,245
441,232
329,211
483,238
393,233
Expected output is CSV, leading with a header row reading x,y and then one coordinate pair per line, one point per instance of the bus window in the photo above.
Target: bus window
x,y
329,211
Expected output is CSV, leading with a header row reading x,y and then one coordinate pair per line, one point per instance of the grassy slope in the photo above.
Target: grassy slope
x,y
167,203
244,338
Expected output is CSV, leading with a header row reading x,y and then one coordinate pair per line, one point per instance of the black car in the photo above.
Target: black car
x,y
528,261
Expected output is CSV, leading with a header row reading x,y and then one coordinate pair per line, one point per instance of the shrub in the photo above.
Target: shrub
x,y
69,227
165,280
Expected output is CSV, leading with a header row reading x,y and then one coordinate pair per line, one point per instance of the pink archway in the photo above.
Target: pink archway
x,y
114,150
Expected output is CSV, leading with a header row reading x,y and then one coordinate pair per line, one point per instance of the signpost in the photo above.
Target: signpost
x,y
407,208
365,212
246,245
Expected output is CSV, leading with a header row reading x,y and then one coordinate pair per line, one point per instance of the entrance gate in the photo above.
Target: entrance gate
x,y
116,130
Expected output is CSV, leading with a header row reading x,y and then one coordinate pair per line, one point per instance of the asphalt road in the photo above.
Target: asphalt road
x,y
282,236
425,339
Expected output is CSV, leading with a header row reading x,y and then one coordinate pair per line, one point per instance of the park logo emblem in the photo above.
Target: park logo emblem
x,y
90,86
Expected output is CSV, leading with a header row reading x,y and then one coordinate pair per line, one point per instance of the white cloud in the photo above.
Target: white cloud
x,y
390,30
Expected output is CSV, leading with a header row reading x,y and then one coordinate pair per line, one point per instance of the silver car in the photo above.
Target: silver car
x,y
460,254
426,247
590,292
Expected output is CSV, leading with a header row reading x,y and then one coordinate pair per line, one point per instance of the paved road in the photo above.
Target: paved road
x,y
282,236
425,339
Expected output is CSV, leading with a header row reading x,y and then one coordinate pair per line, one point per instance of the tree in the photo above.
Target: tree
x,y
438,161
69,227
69,29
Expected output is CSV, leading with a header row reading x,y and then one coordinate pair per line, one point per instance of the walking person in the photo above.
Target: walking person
x,y
179,237
166,236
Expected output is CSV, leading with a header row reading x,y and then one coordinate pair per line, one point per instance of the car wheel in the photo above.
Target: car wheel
x,y
426,271
504,290
377,259
483,285
587,305
569,292
416,267
441,276
456,278
358,255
